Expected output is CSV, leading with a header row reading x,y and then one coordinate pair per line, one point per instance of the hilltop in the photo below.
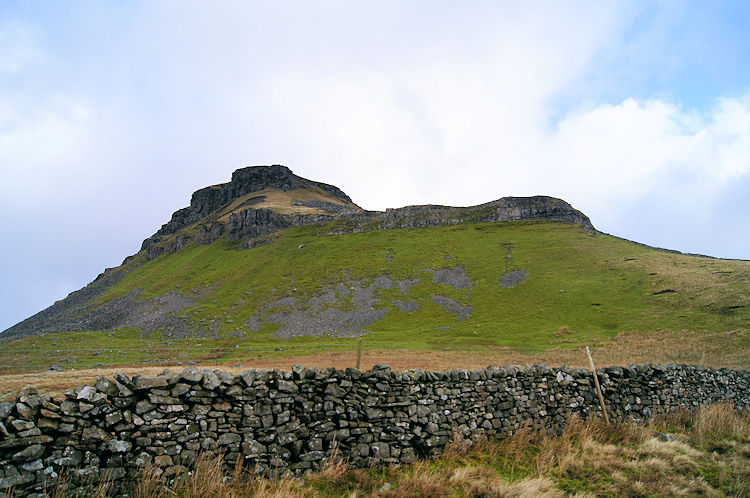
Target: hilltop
x,y
271,256
263,200
257,202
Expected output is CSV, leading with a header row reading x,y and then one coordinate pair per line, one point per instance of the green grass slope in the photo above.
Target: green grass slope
x,y
595,285
590,285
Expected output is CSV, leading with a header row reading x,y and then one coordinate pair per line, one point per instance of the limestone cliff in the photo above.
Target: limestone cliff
x,y
262,200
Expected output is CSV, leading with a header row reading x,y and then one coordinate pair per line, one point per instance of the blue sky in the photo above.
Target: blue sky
x,y
113,113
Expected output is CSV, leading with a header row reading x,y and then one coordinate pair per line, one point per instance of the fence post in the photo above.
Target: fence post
x,y
596,383
359,351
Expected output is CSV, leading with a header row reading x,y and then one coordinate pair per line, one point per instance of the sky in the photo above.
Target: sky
x,y
113,112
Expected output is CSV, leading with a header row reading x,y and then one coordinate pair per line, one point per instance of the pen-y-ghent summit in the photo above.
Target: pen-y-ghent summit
x,y
271,256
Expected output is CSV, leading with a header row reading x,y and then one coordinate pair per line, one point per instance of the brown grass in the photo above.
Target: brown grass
x,y
709,426
64,487
284,201
726,349
149,483
629,459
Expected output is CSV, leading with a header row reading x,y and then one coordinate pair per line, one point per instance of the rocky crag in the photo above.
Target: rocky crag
x,y
290,422
206,220
214,211
252,209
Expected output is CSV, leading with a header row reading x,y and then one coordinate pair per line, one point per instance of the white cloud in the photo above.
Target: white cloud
x,y
624,151
396,103
458,124
18,49
656,172
398,142
41,153
44,131
425,137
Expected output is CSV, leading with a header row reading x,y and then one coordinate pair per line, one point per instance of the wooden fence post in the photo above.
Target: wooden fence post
x,y
359,351
596,383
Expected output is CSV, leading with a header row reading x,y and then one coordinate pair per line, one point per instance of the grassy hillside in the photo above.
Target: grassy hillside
x,y
595,286
580,288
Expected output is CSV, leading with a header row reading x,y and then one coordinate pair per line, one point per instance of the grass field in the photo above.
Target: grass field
x,y
729,349
594,286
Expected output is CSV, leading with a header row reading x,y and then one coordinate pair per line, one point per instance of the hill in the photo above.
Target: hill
x,y
274,257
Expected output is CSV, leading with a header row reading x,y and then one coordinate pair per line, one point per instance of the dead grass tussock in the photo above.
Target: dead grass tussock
x,y
481,481
67,484
683,463
592,446
585,447
669,449
653,463
628,459
335,474
457,446
474,480
537,486
206,479
717,422
149,483
519,444
470,473
272,489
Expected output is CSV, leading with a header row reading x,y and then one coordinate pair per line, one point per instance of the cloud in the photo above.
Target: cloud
x,y
627,149
395,102
17,48
43,131
421,138
613,160
456,124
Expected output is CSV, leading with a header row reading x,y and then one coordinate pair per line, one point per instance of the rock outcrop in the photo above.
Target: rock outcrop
x,y
207,201
245,222
505,209
211,214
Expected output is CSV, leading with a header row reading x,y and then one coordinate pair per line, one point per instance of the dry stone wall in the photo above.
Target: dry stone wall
x,y
290,421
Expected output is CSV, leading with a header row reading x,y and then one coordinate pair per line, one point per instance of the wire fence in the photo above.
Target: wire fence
x,y
355,354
